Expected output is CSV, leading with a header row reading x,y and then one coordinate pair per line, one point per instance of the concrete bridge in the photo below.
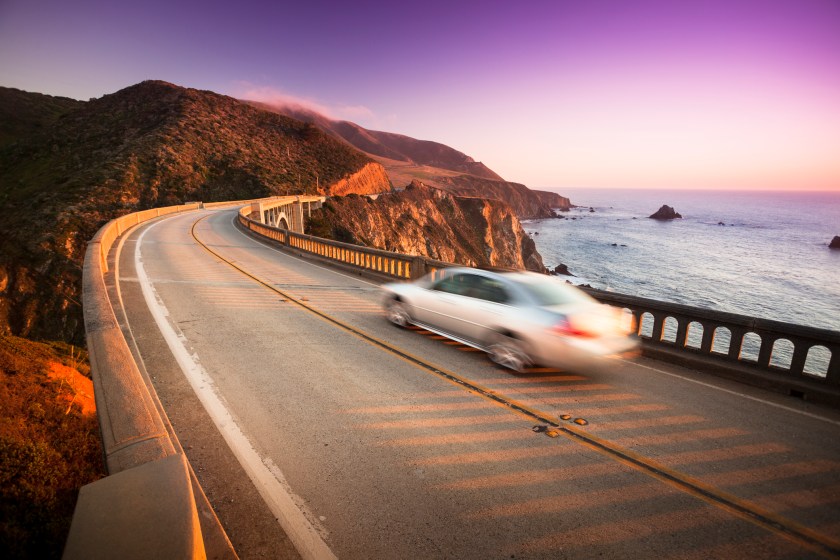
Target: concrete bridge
x,y
286,212
252,400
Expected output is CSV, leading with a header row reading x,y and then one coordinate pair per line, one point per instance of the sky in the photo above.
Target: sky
x,y
717,94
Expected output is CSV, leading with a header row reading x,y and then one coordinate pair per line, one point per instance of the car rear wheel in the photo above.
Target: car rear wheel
x,y
508,352
396,312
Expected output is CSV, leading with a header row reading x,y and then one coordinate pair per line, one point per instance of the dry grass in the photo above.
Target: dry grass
x,y
49,445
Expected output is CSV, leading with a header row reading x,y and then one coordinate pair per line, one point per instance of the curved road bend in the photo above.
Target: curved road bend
x,y
367,441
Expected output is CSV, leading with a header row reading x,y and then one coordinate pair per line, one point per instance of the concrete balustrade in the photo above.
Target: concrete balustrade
x,y
382,264
678,333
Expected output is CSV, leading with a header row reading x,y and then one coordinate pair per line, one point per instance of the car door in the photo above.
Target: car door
x,y
444,303
488,309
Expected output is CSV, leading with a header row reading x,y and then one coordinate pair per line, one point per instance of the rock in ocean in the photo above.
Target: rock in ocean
x,y
562,270
665,213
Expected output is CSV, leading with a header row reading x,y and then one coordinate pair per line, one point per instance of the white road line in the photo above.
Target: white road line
x,y
736,393
265,475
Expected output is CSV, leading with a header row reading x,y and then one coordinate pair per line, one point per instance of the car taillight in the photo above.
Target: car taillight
x,y
566,327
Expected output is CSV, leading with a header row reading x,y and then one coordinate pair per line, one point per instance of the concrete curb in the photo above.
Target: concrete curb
x,y
155,500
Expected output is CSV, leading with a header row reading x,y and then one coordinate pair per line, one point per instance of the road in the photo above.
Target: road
x,y
314,424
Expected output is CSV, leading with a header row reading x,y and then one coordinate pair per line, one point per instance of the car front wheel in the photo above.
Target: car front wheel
x,y
508,352
396,312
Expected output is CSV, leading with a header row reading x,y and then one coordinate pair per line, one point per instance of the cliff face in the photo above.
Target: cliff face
x,y
425,221
527,204
370,179
67,167
554,200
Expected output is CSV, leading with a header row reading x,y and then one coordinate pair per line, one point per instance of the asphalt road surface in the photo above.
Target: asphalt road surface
x,y
318,428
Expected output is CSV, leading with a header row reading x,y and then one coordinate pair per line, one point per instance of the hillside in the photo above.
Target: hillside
x,y
392,146
422,220
23,114
71,166
49,444
407,159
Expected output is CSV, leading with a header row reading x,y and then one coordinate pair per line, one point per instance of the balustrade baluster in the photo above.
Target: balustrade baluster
x,y
766,350
800,355
735,342
682,331
658,322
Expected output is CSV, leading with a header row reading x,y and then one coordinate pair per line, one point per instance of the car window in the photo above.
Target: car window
x,y
548,293
491,289
459,284
474,286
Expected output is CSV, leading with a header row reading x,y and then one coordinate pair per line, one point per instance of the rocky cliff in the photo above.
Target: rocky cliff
x,y
527,204
66,167
422,220
370,179
554,200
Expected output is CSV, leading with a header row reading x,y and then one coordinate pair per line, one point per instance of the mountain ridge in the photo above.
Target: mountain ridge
x,y
434,164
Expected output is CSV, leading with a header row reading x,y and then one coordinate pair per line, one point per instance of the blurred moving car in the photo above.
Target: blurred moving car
x,y
518,318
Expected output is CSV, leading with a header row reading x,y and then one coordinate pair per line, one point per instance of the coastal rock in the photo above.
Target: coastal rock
x,y
835,243
561,270
665,213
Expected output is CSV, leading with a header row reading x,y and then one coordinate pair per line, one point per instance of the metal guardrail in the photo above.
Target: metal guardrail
x,y
797,352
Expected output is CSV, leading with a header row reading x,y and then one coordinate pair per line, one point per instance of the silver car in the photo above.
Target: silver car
x,y
518,318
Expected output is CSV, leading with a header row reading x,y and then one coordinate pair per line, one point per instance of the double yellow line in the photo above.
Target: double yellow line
x,y
746,510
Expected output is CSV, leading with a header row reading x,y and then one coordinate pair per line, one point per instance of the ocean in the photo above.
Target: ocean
x,y
762,254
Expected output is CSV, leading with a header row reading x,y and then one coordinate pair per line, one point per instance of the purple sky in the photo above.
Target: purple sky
x,y
661,94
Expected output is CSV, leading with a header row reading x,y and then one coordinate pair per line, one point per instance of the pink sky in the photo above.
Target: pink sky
x,y
555,94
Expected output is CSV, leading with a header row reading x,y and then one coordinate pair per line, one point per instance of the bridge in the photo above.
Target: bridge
x,y
253,401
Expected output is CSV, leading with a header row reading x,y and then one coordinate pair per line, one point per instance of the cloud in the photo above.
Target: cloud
x,y
278,98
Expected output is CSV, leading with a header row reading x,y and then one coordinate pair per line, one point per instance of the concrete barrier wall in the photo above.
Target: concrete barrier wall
x,y
140,456
149,490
